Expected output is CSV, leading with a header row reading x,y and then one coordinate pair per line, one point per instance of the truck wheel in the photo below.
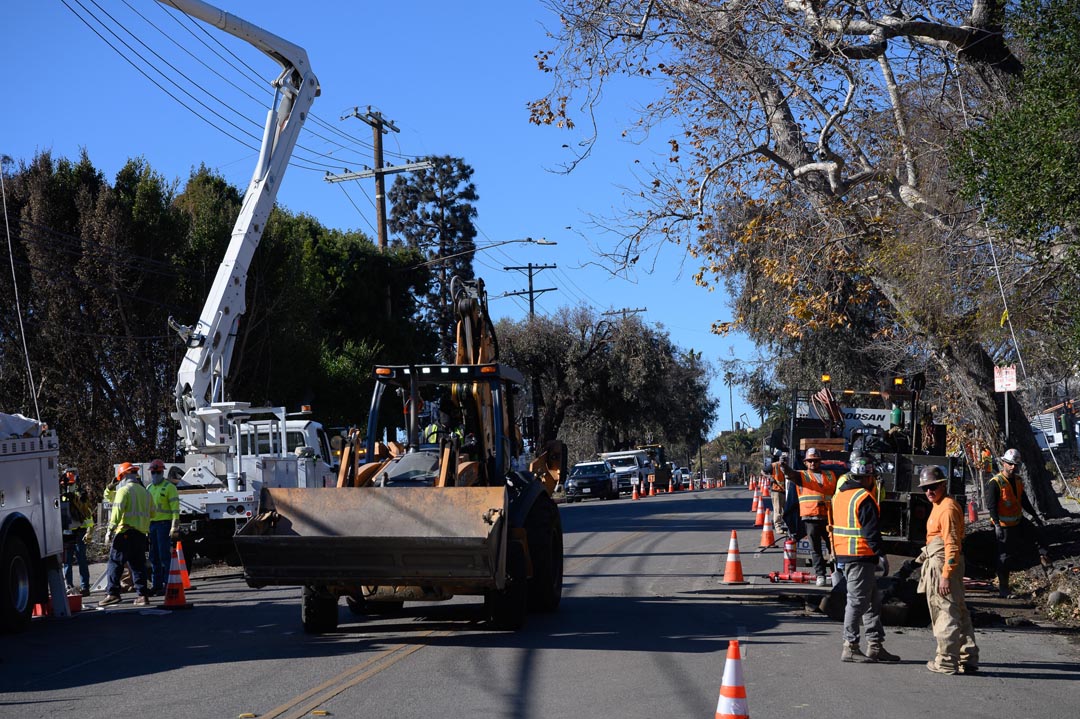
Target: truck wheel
x,y
318,612
544,531
507,609
15,585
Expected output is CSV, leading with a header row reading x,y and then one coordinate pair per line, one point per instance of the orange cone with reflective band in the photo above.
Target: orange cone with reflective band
x,y
791,554
174,592
733,570
756,503
652,489
973,514
635,494
768,537
183,565
759,519
732,702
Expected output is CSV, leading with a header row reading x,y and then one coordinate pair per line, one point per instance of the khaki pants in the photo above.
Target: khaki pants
x,y
949,615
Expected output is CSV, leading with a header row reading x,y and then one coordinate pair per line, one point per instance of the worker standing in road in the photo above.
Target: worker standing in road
x,y
1006,502
778,486
942,579
859,552
80,517
815,490
164,525
126,536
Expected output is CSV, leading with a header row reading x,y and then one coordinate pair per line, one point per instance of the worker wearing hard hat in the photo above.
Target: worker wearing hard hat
x,y
942,579
777,487
80,521
815,489
1006,503
126,537
859,552
164,525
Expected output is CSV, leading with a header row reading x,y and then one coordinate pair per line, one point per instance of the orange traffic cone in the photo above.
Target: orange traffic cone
x,y
732,702
756,503
768,537
652,489
174,591
183,565
733,570
671,485
791,554
973,514
751,485
759,519
634,494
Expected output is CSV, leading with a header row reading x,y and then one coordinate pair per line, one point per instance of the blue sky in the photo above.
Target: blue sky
x,y
455,78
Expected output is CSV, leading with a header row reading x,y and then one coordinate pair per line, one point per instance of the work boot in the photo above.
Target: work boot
x,y
852,653
142,601
109,600
878,653
933,666
820,581
85,591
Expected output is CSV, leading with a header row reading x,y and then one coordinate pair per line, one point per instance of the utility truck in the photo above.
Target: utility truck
x,y
219,481
423,513
31,535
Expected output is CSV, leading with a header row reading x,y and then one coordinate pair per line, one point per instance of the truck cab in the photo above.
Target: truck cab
x,y
632,468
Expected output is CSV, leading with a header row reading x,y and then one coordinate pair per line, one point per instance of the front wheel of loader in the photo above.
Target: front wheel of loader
x,y
544,531
507,608
318,611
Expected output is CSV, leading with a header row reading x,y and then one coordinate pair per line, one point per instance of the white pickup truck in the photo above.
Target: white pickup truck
x,y
31,536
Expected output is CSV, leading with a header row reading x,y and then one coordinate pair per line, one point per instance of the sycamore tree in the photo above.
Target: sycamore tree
x,y
808,172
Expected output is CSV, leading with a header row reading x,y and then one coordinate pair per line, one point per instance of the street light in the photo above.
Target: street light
x,y
523,240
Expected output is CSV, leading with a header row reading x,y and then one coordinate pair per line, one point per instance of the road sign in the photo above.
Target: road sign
x,y
723,458
1005,378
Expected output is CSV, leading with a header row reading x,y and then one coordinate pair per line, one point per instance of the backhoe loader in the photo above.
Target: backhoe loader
x,y
428,511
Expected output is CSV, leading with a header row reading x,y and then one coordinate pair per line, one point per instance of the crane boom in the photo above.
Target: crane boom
x,y
201,378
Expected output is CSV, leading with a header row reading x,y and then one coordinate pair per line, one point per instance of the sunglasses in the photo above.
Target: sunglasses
x,y
933,487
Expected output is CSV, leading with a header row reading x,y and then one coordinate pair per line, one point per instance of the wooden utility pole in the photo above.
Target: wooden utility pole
x,y
532,269
625,311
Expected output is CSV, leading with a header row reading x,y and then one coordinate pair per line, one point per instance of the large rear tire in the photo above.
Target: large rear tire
x,y
543,528
507,609
318,611
16,585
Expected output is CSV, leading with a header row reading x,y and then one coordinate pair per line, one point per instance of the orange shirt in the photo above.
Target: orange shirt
x,y
947,521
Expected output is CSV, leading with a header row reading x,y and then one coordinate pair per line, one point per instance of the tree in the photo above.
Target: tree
x,y
808,170
432,210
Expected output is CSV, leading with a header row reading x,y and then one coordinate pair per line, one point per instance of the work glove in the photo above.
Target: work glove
x,y
883,564
108,538
999,532
174,531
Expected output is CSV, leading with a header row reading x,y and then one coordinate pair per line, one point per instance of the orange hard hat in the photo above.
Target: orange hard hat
x,y
157,466
125,468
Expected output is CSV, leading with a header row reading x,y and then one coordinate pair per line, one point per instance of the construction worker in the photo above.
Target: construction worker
x,y
164,525
79,522
815,490
129,524
778,486
1007,503
859,552
942,579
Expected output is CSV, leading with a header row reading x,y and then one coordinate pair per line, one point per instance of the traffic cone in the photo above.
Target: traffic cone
x,y
733,569
635,494
752,486
732,702
757,501
759,518
183,565
671,485
791,555
768,537
174,591
652,489
973,514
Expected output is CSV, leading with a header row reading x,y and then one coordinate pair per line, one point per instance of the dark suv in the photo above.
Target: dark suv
x,y
595,479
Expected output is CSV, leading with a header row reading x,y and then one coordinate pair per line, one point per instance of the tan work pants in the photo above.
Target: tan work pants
x,y
949,615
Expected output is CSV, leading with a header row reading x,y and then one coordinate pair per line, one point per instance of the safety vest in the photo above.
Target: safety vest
x,y
431,433
165,501
131,508
814,494
1009,507
777,478
848,535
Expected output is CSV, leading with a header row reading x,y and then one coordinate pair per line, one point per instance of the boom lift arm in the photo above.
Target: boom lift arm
x,y
201,379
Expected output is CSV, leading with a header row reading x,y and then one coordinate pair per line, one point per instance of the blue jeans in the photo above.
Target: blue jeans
x,y
76,552
127,548
160,554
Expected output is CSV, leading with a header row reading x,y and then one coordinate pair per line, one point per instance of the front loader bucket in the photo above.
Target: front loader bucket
x,y
354,536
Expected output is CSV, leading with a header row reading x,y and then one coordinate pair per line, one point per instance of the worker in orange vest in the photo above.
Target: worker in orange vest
x,y
1007,503
815,493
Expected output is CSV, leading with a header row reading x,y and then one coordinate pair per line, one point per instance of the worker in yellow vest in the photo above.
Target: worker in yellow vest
x,y
1006,503
126,537
164,525
860,552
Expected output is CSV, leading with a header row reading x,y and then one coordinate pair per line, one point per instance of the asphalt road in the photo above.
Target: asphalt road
x,y
642,632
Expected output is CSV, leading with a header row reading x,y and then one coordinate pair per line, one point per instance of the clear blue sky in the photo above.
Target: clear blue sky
x,y
454,77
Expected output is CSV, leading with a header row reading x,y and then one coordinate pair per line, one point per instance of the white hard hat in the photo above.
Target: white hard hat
x,y
1011,456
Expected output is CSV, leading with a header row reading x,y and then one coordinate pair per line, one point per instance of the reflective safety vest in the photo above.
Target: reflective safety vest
x,y
777,478
431,433
814,494
131,508
165,501
848,535
1009,507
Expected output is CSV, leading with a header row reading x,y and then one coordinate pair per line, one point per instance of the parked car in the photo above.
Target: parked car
x,y
596,479
632,467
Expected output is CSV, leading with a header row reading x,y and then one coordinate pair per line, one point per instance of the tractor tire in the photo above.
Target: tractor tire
x,y
543,528
318,612
507,609
16,586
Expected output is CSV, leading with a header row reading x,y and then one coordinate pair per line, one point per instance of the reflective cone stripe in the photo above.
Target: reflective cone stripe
x,y
732,703
790,555
757,501
759,519
768,536
635,494
733,570
174,592
183,565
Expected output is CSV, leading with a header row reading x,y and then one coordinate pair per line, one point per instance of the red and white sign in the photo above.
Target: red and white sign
x,y
1005,379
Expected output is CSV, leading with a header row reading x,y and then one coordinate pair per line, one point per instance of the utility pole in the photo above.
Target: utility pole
x,y
626,311
531,269
379,126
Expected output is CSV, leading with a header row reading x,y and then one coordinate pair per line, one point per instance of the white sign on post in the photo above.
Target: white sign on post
x,y
1005,378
